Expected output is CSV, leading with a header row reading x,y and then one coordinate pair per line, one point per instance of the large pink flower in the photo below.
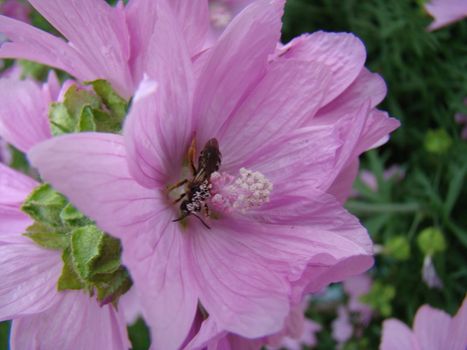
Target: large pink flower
x,y
446,12
297,118
433,329
44,318
104,42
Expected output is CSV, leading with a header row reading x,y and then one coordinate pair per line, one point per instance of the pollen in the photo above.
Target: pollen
x,y
249,190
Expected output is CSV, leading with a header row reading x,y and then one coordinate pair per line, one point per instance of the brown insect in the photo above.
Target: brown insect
x,y
197,190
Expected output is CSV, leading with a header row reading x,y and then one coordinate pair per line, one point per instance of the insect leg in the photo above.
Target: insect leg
x,y
179,198
202,221
177,185
191,156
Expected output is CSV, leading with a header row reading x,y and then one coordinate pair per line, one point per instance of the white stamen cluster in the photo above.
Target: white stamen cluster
x,y
220,15
248,191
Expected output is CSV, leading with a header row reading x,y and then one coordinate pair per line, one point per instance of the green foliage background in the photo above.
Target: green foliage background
x,y
426,74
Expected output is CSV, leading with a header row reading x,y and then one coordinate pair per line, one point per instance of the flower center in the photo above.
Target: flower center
x,y
248,191
210,189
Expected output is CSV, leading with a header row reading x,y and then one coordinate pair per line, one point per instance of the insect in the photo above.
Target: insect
x,y
197,190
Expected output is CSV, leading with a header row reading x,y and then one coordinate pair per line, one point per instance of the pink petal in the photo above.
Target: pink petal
x,y
105,48
431,328
193,16
29,275
344,53
160,271
91,170
147,147
23,113
76,321
240,291
290,88
14,187
209,336
341,188
235,64
457,336
446,12
331,245
397,336
367,87
159,130
33,44
304,155
376,131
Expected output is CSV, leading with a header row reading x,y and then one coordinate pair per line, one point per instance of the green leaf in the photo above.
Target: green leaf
x,y
69,279
106,122
380,298
70,216
76,99
61,122
109,256
431,241
86,120
110,287
47,237
86,245
116,104
455,188
44,204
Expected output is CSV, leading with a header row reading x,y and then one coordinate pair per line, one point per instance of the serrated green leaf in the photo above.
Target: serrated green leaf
x,y
71,216
61,121
76,99
109,257
116,104
69,279
86,120
47,237
86,245
106,122
44,204
111,286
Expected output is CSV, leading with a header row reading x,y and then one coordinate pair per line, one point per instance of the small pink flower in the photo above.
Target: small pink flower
x,y
342,328
44,318
356,287
461,119
433,329
118,43
446,12
24,110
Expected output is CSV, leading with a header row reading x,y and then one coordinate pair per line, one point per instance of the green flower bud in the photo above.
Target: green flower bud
x,y
431,241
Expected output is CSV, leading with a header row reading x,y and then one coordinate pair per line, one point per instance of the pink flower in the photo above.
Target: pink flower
x,y
119,43
16,9
342,328
433,329
295,121
44,318
24,108
394,172
297,331
446,12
